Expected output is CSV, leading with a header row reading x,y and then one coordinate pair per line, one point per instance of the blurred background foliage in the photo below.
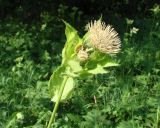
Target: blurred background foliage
x,y
31,40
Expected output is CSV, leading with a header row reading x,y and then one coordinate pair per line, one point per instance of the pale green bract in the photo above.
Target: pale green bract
x,y
73,68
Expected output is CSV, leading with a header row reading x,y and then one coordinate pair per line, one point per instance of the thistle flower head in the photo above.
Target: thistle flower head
x,y
102,37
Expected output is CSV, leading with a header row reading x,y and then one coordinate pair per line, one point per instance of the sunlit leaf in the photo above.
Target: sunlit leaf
x,y
110,64
72,40
98,70
75,65
55,84
66,92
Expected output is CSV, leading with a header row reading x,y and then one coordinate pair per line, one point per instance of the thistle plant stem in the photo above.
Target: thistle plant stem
x,y
52,119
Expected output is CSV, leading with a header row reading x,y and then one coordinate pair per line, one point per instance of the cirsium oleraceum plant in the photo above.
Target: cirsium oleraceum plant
x,y
82,57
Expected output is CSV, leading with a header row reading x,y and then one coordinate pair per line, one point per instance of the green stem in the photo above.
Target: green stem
x,y
52,119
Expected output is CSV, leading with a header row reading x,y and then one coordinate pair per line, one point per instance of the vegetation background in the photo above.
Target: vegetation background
x,y
31,39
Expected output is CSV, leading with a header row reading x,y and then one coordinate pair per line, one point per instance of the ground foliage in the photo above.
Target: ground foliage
x,y
30,50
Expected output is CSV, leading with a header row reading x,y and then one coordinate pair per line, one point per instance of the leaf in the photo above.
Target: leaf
x,y
94,119
55,80
75,65
153,101
129,124
97,63
98,70
142,79
66,92
99,58
110,64
72,41
84,74
55,84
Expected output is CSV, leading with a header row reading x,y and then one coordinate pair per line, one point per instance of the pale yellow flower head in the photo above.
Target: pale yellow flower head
x,y
102,37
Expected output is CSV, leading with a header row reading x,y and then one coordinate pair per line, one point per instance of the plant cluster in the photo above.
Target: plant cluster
x,y
126,97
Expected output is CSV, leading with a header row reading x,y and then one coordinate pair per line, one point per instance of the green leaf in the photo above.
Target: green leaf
x,y
97,63
129,124
110,64
84,74
66,92
142,79
55,84
75,65
56,80
97,58
98,70
72,41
